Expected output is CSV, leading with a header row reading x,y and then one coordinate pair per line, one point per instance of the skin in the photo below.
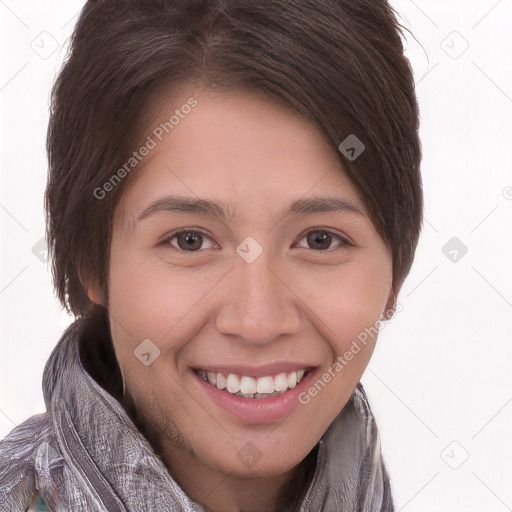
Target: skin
x,y
211,306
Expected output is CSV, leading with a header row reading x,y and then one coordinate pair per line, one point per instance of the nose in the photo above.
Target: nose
x,y
258,304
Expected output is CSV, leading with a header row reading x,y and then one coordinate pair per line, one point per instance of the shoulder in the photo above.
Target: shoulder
x,y
23,439
18,453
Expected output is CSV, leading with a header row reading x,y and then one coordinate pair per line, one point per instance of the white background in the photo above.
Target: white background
x,y
440,380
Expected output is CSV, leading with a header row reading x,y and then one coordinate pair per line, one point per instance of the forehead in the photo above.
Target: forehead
x,y
239,147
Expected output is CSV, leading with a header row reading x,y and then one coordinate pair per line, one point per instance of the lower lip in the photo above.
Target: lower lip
x,y
257,410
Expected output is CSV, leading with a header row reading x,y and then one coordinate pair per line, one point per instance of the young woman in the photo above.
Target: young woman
x,y
234,201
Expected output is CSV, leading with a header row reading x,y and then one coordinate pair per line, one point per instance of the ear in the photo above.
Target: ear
x,y
94,292
389,311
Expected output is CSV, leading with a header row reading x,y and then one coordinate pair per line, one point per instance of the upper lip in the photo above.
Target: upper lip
x,y
255,371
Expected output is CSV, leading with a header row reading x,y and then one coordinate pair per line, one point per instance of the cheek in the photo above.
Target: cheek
x,y
350,300
151,299
350,308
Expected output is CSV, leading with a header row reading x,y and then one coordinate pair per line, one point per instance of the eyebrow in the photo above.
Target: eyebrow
x,y
217,209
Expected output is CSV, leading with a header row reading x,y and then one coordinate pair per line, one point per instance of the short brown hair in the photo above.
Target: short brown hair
x,y
338,62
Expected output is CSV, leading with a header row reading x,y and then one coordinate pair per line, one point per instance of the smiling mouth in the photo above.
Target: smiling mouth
x,y
251,387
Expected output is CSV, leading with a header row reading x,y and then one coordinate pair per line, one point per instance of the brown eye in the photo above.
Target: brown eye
x,y
187,241
320,241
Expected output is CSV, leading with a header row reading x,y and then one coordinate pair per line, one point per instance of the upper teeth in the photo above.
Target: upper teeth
x,y
245,385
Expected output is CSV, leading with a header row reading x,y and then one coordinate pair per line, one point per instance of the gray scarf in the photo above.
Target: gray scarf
x,y
86,454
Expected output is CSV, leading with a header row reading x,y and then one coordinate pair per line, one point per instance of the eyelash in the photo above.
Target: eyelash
x,y
344,242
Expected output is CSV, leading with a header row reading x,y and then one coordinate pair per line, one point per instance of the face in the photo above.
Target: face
x,y
266,287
